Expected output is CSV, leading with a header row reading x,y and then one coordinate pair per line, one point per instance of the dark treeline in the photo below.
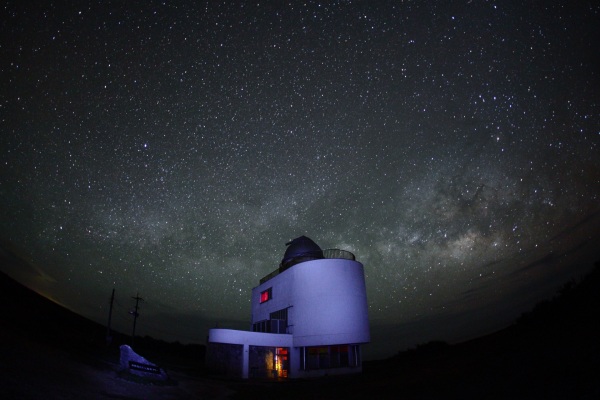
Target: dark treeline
x,y
571,313
550,352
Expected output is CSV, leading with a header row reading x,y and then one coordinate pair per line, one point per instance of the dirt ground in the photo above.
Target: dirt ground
x,y
33,370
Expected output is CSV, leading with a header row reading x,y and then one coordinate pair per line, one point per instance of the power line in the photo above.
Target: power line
x,y
108,335
136,314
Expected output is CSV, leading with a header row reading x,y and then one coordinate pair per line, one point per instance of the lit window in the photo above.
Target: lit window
x,y
281,362
266,295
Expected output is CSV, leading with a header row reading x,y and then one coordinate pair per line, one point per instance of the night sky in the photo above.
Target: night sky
x,y
171,149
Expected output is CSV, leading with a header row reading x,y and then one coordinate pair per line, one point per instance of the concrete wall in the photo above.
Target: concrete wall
x,y
330,303
327,302
217,335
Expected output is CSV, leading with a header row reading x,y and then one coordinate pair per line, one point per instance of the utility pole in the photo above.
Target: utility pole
x,y
108,335
135,314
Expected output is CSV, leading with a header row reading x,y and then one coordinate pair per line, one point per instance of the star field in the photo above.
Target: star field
x,y
171,149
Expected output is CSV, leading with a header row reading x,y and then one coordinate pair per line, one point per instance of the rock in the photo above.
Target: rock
x,y
135,364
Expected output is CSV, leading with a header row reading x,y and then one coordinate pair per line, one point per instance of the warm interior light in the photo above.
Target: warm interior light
x,y
281,357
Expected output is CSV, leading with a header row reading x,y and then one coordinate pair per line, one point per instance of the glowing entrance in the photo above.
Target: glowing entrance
x,y
282,362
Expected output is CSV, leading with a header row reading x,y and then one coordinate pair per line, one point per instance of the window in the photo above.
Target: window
x,y
282,363
279,321
280,314
260,326
324,357
277,326
266,295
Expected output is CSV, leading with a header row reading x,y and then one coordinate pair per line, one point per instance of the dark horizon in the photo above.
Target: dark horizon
x,y
550,352
407,337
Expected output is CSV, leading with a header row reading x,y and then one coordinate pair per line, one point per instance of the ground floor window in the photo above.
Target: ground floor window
x,y
282,362
323,357
268,362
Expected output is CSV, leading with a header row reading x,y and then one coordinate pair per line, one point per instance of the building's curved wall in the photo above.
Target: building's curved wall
x,y
329,301
231,336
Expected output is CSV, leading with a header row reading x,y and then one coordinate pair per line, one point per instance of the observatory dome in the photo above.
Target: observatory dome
x,y
299,250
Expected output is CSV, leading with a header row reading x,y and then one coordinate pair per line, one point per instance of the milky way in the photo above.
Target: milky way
x,y
171,149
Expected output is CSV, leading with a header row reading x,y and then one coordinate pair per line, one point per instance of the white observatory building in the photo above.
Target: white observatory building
x,y
309,318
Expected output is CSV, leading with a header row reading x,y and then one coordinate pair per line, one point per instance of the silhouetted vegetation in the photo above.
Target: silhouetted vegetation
x,y
432,347
551,352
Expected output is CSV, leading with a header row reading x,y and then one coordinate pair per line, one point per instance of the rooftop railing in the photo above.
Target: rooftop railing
x,y
267,277
337,253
